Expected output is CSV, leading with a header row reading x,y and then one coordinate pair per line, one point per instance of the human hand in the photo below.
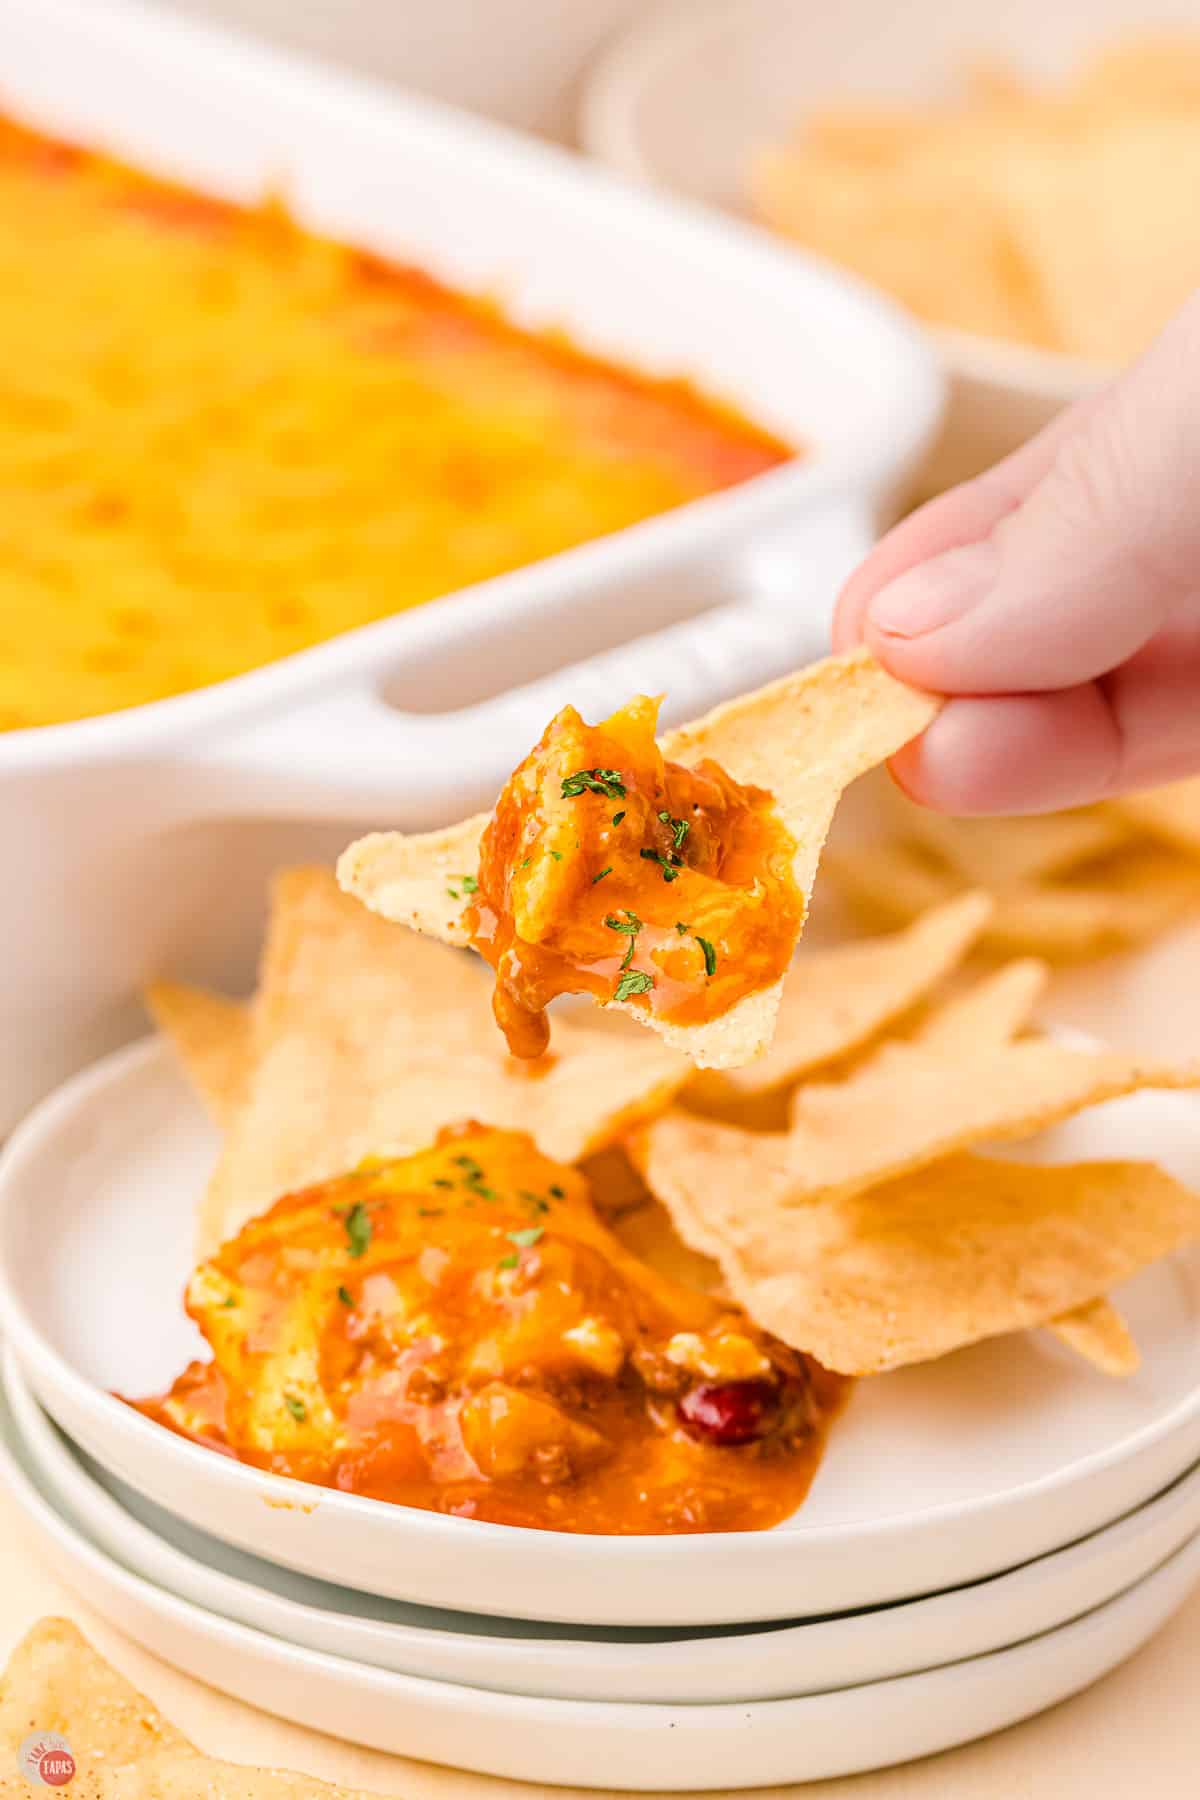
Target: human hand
x,y
1057,598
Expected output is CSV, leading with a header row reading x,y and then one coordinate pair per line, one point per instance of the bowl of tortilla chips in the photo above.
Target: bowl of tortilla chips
x,y
1023,181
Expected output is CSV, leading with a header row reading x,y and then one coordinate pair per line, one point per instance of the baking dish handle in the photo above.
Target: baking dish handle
x,y
353,756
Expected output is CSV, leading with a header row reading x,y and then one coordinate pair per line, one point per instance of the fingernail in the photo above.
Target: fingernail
x,y
935,593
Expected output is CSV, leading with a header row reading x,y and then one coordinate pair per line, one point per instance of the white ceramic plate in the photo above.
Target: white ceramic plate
x,y
935,1476
574,1663
686,97
748,1744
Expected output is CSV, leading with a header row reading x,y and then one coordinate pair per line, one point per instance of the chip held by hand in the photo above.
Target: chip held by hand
x,y
670,880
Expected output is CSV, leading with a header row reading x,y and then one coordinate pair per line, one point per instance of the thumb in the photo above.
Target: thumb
x,y
1077,578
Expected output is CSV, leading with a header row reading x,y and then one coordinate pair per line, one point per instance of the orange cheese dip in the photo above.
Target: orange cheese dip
x,y
458,1331
223,440
608,871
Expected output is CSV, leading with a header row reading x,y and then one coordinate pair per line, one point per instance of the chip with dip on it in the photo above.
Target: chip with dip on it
x,y
670,880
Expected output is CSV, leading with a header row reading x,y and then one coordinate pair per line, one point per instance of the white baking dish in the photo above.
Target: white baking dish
x,y
135,843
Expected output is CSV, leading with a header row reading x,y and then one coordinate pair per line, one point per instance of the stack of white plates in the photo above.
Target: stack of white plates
x,y
987,1534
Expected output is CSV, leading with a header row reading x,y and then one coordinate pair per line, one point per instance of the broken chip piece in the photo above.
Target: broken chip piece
x,y
670,881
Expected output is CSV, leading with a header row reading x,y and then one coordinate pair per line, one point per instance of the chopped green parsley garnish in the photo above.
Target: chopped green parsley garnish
x,y
430,1212
453,893
618,816
525,864
679,829
710,956
472,1177
634,981
559,1193
469,884
509,1262
594,781
656,856
442,1181
557,855
296,1407
630,925
358,1230
681,928
345,1296
229,1302
526,1238
601,875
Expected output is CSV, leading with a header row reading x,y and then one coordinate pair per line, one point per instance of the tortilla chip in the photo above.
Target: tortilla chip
x,y
408,880
902,1110
123,1747
804,738
56,1682
367,1040
913,206
1170,814
1098,1333
908,1107
980,212
1106,905
649,1234
835,1001
965,1249
1095,1331
991,1012
1001,853
1140,250
212,1038
1161,67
